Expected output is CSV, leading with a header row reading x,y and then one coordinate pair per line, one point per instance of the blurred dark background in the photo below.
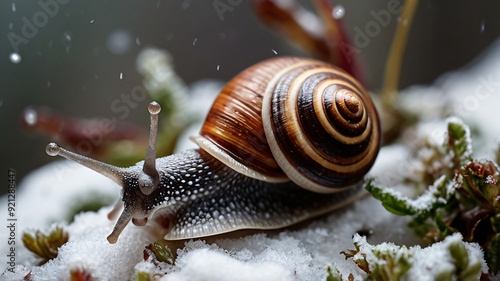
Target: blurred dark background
x,y
69,65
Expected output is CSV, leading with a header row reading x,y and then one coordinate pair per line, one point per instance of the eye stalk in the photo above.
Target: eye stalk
x,y
148,178
116,174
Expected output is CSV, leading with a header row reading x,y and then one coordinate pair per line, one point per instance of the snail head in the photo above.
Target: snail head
x,y
136,182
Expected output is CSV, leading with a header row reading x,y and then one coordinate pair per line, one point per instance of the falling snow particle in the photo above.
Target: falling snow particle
x,y
91,21
482,26
121,75
30,116
158,4
67,37
338,12
119,42
11,25
137,41
274,51
194,42
15,58
185,5
218,67
48,84
13,7
66,40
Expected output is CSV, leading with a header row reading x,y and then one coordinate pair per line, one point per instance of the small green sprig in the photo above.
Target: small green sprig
x,y
334,275
46,246
389,262
143,276
465,197
480,181
384,262
434,197
160,252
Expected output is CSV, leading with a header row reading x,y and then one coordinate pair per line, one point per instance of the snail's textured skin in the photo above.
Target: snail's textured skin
x,y
200,196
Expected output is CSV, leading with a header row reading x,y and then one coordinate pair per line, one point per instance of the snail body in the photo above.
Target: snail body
x,y
279,136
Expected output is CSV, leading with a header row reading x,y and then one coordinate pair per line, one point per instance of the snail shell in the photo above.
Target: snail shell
x,y
280,120
294,118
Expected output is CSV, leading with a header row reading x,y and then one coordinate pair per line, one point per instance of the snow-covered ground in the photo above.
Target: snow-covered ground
x,y
298,253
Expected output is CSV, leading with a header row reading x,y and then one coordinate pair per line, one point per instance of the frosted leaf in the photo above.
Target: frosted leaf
x,y
440,261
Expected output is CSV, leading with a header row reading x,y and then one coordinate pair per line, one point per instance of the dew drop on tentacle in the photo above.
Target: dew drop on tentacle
x,y
52,149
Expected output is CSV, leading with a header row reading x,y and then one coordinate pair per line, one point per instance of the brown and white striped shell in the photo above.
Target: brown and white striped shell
x,y
294,118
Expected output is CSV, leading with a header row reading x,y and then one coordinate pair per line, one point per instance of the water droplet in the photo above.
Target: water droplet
x,y
218,67
91,21
30,116
194,42
338,12
121,75
15,58
274,51
119,42
67,37
13,7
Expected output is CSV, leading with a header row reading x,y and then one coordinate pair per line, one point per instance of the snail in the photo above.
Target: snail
x,y
286,140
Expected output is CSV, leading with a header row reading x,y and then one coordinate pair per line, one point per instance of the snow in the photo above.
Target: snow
x,y
436,258
426,263
88,250
301,252
193,267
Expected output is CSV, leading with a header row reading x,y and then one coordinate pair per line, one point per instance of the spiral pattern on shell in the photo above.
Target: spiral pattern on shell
x,y
294,118
321,126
